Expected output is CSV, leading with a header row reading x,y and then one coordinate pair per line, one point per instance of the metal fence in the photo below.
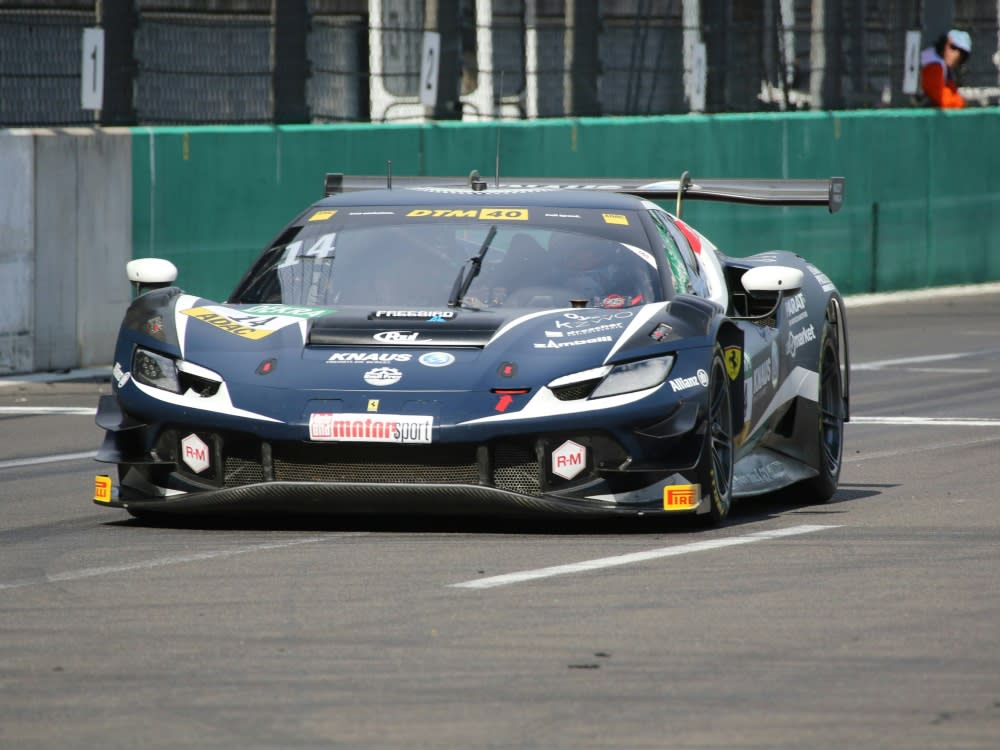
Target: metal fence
x,y
262,61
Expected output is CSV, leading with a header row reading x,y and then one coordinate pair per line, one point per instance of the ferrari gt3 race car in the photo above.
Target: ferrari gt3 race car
x,y
443,346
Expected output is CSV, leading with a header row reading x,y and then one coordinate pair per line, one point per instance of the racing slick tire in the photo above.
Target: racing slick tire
x,y
715,470
830,432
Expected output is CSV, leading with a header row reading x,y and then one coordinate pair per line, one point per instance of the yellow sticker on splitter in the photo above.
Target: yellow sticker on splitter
x,y
102,488
615,219
681,497
322,215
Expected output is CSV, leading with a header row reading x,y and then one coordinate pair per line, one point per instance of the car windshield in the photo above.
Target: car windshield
x,y
405,258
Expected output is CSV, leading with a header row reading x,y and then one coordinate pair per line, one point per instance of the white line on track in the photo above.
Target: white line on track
x,y
47,410
76,575
929,421
882,363
16,462
636,557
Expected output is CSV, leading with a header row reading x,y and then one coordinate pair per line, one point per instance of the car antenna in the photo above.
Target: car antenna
x,y
388,174
683,184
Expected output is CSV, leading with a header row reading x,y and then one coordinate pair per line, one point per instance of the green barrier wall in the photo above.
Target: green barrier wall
x,y
921,184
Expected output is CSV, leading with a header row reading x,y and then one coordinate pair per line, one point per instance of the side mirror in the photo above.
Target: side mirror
x,y
772,279
150,273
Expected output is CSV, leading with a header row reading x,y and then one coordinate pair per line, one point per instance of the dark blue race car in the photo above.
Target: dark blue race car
x,y
440,346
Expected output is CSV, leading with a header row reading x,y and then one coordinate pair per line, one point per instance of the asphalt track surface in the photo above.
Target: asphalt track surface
x,y
872,621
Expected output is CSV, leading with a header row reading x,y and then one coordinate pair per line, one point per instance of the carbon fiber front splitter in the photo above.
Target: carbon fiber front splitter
x,y
377,499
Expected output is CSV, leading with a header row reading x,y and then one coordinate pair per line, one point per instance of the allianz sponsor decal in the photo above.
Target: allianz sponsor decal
x,y
799,338
699,380
370,428
367,357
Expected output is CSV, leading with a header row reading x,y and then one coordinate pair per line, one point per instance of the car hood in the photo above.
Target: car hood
x,y
436,350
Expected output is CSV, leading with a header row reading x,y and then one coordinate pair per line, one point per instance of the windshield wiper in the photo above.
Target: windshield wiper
x,y
463,281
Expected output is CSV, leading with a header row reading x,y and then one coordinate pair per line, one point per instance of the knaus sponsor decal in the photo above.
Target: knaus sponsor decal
x,y
799,338
576,320
367,357
370,428
700,380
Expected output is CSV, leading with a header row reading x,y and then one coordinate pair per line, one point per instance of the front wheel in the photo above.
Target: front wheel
x,y
715,471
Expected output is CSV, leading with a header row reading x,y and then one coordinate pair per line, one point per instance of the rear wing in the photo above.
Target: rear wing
x,y
776,192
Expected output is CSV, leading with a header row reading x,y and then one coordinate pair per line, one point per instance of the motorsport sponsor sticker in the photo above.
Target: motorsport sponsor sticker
x,y
436,359
681,497
799,338
615,219
370,428
416,314
484,214
569,459
761,376
700,379
578,342
194,452
733,356
290,310
584,331
367,358
400,337
102,488
383,376
323,215
795,308
239,323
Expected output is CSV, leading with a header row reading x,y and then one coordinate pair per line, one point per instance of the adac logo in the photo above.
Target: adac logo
x,y
733,356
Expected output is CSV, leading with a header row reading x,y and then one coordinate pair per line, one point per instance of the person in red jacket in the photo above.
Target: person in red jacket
x,y
937,69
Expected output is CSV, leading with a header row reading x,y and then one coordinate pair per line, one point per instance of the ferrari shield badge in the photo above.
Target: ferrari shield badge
x,y
733,356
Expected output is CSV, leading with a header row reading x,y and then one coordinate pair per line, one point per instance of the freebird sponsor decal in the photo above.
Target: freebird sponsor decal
x,y
681,497
370,428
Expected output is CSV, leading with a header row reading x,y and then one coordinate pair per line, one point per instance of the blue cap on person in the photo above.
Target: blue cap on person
x,y
960,40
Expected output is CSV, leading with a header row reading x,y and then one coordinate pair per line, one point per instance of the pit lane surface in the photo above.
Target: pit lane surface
x,y
872,621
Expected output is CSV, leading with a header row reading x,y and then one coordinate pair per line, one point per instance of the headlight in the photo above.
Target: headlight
x,y
634,376
155,370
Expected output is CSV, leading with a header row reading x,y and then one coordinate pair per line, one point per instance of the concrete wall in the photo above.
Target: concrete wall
x,y
65,236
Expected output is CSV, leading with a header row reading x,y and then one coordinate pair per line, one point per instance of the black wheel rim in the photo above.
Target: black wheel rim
x,y
721,420
831,415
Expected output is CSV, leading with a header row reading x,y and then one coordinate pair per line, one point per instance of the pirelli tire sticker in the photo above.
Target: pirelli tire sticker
x,y
483,214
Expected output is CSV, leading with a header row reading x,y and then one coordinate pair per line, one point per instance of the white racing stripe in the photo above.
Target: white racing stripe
x,y
636,557
39,410
16,462
929,421
76,575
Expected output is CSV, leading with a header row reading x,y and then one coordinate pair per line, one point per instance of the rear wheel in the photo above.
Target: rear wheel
x,y
716,468
830,427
